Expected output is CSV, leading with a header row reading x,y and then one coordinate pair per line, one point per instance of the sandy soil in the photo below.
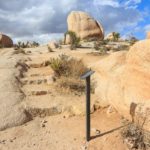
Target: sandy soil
x,y
58,133
51,129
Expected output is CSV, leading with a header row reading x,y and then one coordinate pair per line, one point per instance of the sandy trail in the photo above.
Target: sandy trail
x,y
48,131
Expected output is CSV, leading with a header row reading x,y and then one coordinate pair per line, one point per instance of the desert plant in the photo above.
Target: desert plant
x,y
132,40
68,71
96,45
75,41
116,36
50,49
135,136
103,50
26,45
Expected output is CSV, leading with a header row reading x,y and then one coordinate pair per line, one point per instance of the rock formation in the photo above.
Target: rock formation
x,y
84,26
123,80
148,35
5,41
109,36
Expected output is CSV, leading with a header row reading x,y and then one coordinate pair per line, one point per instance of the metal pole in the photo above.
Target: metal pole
x,y
88,108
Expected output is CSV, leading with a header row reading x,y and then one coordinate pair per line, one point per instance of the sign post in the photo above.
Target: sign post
x,y
87,76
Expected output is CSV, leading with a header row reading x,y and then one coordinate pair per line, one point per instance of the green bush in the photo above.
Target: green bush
x,y
75,41
116,36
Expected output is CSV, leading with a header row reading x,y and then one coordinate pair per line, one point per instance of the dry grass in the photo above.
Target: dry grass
x,y
135,136
68,71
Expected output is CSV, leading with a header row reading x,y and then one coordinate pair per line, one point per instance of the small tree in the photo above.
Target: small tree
x,y
116,36
74,40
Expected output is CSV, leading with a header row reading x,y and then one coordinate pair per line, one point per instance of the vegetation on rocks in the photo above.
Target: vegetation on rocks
x,y
26,45
116,36
74,40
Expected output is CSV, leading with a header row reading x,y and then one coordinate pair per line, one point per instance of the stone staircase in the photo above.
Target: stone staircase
x,y
42,99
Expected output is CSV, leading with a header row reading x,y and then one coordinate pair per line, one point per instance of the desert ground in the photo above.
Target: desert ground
x,y
57,119
42,95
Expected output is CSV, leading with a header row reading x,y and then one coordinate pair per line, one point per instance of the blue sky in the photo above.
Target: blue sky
x,y
43,20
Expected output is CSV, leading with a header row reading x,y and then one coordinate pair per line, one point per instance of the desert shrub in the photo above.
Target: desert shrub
x,y
75,41
103,50
68,71
132,40
50,49
99,44
26,45
135,136
71,84
67,66
96,45
116,36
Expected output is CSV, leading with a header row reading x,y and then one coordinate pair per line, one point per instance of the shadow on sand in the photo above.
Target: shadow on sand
x,y
108,132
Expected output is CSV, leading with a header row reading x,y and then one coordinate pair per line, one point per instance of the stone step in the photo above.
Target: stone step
x,y
42,106
37,90
36,72
38,80
48,105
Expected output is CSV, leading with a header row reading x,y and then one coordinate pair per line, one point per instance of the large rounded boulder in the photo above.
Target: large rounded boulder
x,y
123,80
5,41
84,26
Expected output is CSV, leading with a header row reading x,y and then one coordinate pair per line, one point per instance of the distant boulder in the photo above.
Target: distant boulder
x,y
113,36
148,35
5,41
84,26
109,36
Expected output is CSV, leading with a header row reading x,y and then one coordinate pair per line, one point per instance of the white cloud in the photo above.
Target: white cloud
x,y
147,28
37,19
113,3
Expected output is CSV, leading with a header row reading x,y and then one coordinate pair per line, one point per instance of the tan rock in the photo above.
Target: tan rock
x,y
148,35
124,80
84,26
5,41
109,36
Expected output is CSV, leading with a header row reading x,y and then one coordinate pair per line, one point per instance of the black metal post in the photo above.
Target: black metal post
x,y
88,122
87,76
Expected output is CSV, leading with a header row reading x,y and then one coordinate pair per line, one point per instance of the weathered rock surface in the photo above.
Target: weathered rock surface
x,y
5,41
84,26
12,112
148,35
124,80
